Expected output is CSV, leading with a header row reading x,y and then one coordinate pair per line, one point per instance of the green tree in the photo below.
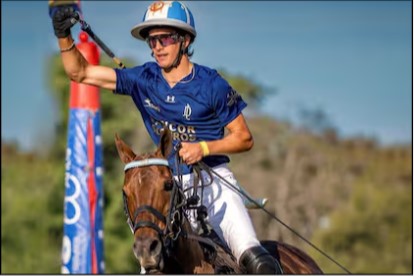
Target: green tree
x,y
363,189
373,232
31,224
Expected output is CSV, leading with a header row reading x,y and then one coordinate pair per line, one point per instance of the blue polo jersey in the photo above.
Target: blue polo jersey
x,y
196,109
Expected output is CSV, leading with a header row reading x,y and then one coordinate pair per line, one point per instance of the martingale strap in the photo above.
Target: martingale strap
x,y
146,162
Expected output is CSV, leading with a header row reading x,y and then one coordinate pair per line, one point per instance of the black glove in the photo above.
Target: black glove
x,y
63,21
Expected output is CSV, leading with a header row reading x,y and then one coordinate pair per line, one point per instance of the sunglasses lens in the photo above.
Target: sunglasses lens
x,y
152,42
167,40
164,39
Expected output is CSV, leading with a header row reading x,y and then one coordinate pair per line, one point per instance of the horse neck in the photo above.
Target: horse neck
x,y
189,253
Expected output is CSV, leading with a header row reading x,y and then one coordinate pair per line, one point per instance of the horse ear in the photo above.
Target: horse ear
x,y
124,151
165,146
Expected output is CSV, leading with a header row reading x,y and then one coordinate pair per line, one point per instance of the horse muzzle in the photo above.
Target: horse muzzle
x,y
148,252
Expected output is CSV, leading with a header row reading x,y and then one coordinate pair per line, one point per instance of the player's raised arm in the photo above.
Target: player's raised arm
x,y
75,65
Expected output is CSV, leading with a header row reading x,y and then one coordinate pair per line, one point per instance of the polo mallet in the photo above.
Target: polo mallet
x,y
84,26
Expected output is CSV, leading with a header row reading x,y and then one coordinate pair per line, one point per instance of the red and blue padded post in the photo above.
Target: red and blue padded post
x,y
82,251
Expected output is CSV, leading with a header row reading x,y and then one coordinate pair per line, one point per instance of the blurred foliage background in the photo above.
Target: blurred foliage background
x,y
350,197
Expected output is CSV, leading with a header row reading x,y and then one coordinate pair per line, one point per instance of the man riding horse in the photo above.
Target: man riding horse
x,y
200,107
164,241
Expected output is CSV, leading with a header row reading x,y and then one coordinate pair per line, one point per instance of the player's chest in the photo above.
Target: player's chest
x,y
176,104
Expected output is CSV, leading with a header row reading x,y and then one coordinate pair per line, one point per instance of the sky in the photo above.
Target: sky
x,y
350,59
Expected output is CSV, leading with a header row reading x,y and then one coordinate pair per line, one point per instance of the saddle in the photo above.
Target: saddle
x,y
215,250
218,254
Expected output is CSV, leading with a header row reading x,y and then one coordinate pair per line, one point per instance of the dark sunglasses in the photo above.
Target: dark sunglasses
x,y
163,39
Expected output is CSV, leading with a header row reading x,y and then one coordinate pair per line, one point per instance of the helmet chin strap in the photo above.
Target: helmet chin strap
x,y
179,56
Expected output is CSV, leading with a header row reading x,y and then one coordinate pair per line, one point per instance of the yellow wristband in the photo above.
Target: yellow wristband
x,y
204,147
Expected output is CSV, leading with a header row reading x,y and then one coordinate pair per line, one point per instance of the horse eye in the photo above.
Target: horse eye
x,y
168,185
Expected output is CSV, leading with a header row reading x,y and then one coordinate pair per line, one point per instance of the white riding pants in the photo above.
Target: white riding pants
x,y
227,213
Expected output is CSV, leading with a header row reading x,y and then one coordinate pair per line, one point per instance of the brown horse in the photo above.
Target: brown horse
x,y
164,241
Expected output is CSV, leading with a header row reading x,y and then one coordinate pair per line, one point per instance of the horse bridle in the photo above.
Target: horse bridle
x,y
172,221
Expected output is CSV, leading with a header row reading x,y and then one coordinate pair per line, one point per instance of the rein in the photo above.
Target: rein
x,y
206,168
176,217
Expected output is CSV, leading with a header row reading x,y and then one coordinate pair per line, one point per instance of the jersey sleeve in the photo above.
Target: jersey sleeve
x,y
126,80
227,103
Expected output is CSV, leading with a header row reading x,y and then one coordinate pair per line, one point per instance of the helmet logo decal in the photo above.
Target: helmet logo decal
x,y
156,6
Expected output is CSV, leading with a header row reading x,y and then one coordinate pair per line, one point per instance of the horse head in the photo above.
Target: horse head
x,y
146,190
152,201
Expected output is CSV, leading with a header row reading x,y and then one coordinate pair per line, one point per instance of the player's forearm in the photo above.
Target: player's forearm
x,y
234,142
73,61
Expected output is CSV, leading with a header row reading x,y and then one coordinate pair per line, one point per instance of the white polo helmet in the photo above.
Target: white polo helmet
x,y
165,14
